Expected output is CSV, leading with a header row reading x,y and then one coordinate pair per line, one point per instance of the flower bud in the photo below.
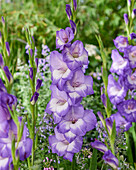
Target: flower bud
x,y
68,11
38,84
8,74
103,96
3,21
99,146
109,124
134,13
34,98
73,26
75,4
7,48
133,36
101,118
126,19
1,61
129,2
110,159
36,62
33,39
31,73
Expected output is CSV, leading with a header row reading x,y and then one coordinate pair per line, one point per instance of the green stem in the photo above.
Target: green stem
x,y
73,167
29,165
33,134
57,162
134,135
129,150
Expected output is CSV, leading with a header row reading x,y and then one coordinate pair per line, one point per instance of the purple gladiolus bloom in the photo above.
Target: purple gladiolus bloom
x,y
75,4
126,19
76,56
8,74
121,123
77,122
133,36
121,43
64,37
60,72
4,162
24,147
82,85
62,147
34,98
116,90
68,11
7,48
59,102
110,159
5,101
119,64
38,84
99,146
130,53
73,26
128,109
130,80
1,61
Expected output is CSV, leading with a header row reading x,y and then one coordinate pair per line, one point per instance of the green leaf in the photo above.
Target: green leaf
x,y
93,161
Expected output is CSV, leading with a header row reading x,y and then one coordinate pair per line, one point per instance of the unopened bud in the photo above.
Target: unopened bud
x,y
38,84
1,61
3,21
8,74
68,11
31,73
129,2
73,26
126,18
134,13
7,48
133,36
75,4
36,62
34,98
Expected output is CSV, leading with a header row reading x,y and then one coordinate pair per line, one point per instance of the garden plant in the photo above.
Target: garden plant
x,y
67,85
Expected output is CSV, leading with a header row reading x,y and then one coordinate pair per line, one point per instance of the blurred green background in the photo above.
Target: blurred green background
x,y
44,17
